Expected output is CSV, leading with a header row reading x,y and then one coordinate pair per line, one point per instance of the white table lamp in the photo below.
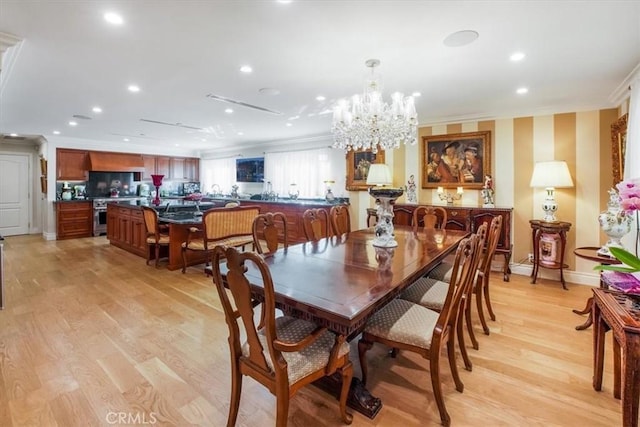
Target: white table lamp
x,y
379,175
551,175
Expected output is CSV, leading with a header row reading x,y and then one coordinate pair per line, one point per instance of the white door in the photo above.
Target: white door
x,y
14,194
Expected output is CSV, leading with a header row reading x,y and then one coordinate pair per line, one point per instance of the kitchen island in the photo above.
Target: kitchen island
x,y
125,226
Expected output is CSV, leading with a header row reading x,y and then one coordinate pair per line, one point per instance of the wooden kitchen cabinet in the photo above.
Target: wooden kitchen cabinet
x,y
71,165
126,229
74,219
469,219
192,168
162,166
176,165
149,167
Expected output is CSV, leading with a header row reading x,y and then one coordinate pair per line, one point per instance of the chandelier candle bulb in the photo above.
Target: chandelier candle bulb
x,y
460,191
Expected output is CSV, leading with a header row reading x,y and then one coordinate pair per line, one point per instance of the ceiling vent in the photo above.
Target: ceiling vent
x,y
177,124
243,104
81,116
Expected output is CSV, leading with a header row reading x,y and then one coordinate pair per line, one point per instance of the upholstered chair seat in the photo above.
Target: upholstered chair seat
x,y
299,363
427,292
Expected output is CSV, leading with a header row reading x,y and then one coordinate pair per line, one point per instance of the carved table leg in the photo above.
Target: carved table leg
x,y
359,398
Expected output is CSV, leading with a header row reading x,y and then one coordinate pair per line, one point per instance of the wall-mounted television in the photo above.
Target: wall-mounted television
x,y
250,170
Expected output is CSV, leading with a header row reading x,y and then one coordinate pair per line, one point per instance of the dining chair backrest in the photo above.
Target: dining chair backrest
x,y
429,217
224,223
241,299
461,278
340,219
492,243
150,217
316,224
269,229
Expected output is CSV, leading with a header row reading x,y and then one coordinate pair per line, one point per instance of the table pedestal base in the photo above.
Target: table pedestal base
x,y
359,398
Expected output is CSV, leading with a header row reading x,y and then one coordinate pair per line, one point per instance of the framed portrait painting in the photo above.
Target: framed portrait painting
x,y
358,162
618,147
456,160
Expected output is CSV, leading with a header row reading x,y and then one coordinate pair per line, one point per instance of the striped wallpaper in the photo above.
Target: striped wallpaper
x,y
582,139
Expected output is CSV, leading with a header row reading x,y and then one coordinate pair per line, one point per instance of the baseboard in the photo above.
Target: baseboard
x,y
590,279
49,236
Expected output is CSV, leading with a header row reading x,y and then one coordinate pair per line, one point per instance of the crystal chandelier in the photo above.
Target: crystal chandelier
x,y
369,123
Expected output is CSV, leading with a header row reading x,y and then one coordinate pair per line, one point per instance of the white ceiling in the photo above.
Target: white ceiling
x,y
577,54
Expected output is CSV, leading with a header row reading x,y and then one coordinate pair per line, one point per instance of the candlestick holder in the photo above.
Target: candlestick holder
x,y
157,182
449,197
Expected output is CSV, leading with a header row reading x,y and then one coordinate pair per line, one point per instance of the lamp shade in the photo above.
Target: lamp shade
x,y
551,174
379,174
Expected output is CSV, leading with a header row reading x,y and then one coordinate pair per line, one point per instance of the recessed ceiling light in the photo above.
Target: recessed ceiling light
x,y
460,38
72,123
125,139
269,91
517,56
289,125
240,133
56,132
133,88
416,94
320,98
96,110
13,134
113,18
246,69
228,110
177,145
284,1
522,90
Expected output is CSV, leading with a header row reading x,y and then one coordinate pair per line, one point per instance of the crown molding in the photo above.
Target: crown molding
x,y
621,93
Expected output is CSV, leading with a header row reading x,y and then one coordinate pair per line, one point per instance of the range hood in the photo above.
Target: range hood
x,y
115,162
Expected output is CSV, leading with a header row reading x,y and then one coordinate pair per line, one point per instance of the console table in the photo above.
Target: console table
x,y
591,253
468,219
538,228
619,313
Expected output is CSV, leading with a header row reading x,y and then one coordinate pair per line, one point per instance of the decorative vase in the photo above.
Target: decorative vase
x,y
157,182
615,223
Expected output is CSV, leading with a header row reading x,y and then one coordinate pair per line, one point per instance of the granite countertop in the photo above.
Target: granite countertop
x,y
284,201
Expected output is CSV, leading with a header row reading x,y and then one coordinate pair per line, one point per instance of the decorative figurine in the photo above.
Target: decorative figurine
x,y
412,196
487,192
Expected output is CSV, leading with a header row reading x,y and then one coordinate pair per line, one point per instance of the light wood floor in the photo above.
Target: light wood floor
x,y
90,334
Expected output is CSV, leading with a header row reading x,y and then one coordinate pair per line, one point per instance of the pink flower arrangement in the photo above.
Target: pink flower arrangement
x,y
629,192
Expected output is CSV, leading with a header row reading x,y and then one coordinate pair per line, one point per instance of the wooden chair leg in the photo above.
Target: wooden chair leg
x,y
487,299
347,376
236,391
463,348
148,254
451,353
617,371
282,406
157,254
434,363
480,308
184,260
472,334
363,347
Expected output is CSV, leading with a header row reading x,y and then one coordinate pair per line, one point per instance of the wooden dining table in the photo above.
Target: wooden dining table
x,y
340,282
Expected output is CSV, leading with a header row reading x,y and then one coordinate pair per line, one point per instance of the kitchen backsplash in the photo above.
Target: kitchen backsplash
x,y
101,184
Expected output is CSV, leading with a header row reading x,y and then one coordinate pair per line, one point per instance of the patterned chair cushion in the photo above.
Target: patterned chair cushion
x,y
163,240
427,292
442,272
405,322
304,362
198,244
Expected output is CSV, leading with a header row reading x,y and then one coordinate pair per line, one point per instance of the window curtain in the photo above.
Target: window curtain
x,y
308,169
632,151
220,172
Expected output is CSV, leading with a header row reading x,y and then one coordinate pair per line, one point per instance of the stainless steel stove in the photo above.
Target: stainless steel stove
x,y
100,212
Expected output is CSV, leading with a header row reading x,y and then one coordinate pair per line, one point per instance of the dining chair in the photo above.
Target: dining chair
x,y
283,355
316,224
481,285
156,233
372,217
231,204
429,217
340,219
220,226
269,229
405,325
431,293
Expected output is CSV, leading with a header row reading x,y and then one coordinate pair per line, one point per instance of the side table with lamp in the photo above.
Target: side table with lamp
x,y
549,175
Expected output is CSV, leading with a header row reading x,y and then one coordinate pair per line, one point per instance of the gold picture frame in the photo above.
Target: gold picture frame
x,y
43,166
618,147
43,184
358,162
469,161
